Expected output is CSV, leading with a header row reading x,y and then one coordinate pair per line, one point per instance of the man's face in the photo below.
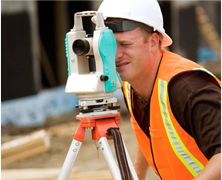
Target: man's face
x,y
133,55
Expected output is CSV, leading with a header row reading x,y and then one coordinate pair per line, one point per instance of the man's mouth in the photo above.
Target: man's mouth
x,y
121,64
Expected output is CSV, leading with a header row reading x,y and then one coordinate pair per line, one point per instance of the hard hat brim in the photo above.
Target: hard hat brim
x,y
166,41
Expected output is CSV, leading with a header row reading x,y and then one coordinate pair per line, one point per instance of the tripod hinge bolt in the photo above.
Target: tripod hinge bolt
x,y
77,144
102,148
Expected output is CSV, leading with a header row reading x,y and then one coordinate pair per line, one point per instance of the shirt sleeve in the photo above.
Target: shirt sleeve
x,y
195,99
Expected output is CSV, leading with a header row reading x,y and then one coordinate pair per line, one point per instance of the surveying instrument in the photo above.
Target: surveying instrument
x,y
92,77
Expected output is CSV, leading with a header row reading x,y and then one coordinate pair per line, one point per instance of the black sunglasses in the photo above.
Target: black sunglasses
x,y
120,26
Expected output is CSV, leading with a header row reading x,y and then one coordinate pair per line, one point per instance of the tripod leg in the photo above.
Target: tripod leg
x,y
70,159
133,172
125,164
104,146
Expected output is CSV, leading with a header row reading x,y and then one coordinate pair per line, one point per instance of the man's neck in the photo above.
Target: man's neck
x,y
144,87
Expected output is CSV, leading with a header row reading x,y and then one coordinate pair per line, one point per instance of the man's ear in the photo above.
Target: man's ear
x,y
155,42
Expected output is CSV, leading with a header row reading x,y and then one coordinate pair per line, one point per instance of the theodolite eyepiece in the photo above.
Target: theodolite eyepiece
x,y
81,47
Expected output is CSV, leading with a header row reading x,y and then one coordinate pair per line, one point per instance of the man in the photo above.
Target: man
x,y
174,103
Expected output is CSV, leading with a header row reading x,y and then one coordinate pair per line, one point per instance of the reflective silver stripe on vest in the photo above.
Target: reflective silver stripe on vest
x,y
128,93
191,163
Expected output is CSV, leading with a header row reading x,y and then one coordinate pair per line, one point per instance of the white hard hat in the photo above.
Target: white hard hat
x,y
145,11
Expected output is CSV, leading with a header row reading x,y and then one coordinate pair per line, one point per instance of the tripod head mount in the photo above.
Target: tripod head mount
x,y
91,60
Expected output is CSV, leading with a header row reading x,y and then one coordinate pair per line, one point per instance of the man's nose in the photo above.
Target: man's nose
x,y
119,53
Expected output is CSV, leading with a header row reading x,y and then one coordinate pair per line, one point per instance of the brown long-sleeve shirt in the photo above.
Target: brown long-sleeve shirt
x,y
195,100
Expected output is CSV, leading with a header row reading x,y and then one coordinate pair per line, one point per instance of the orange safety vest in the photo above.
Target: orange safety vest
x,y
170,151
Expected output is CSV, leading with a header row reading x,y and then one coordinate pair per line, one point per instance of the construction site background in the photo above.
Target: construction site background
x,y
38,118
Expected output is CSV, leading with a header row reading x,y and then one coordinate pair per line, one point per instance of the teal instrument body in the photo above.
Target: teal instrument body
x,y
67,54
107,50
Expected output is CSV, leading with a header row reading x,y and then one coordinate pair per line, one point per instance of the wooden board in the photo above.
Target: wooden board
x,y
24,147
34,143
52,174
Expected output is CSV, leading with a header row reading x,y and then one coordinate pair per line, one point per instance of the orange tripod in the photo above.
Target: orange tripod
x,y
102,127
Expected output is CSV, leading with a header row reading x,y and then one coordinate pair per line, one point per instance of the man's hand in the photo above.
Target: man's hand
x,y
141,166
212,171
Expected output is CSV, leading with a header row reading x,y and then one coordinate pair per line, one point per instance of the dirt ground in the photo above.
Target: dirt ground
x,y
88,159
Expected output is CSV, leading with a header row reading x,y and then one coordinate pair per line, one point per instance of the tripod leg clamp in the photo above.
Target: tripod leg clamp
x,y
79,134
